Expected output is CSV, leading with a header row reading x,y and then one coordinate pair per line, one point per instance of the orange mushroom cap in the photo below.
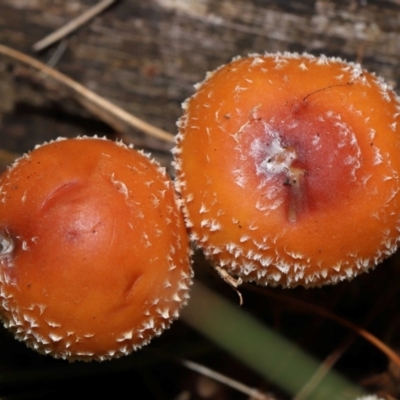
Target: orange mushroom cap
x,y
94,255
288,166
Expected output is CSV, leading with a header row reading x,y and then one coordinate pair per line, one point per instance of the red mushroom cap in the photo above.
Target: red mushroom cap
x,y
288,166
94,255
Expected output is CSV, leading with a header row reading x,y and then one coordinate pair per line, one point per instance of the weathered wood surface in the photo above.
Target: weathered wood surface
x,y
145,55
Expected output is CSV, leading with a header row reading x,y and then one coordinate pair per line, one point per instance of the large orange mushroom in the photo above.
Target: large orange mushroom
x,y
288,166
94,255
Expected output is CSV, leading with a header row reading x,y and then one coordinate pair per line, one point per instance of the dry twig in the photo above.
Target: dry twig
x,y
72,25
240,387
87,96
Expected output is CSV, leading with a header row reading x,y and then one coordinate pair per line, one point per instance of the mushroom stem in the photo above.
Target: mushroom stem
x,y
260,348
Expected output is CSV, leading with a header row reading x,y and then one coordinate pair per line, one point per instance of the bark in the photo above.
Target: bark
x,y
145,55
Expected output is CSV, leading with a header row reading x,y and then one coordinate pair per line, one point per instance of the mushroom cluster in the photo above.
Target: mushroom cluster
x,y
288,166
288,170
94,253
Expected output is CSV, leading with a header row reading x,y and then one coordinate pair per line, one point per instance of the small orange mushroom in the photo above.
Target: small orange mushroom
x,y
94,257
288,166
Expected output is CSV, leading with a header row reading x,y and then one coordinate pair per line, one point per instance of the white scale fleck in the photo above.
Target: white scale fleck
x,y
230,247
316,140
182,286
171,267
266,261
54,337
146,238
31,320
215,226
159,232
323,60
120,186
295,255
275,276
283,267
149,324
247,267
155,200
337,267
256,60
176,298
238,252
378,159
163,313
167,284
53,324
203,209
261,273
216,250
125,336
260,206
240,179
244,238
